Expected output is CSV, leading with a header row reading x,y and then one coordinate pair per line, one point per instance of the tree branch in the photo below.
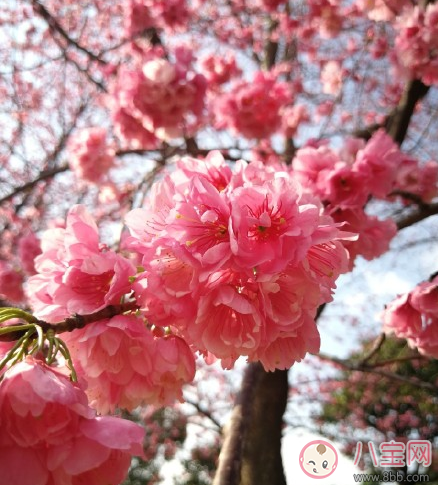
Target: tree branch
x,y
44,175
370,368
55,26
398,122
74,322
417,215
204,412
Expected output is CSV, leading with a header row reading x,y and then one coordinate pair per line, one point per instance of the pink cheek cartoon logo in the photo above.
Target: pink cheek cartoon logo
x,y
318,459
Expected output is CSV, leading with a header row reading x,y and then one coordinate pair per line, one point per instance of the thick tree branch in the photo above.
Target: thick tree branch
x,y
398,122
417,215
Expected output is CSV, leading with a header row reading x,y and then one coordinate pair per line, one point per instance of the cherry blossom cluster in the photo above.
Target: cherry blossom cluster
x,y
141,15
90,157
123,363
157,98
218,70
381,10
416,45
253,109
50,435
236,263
11,275
414,316
326,17
346,179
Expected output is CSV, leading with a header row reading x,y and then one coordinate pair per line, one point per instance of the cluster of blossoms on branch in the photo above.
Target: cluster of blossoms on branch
x,y
141,15
346,179
90,156
416,44
156,98
123,363
414,316
237,263
220,263
66,442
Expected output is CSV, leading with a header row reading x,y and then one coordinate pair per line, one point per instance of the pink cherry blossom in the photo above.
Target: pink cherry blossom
x,y
381,10
115,358
378,162
200,222
374,235
46,421
76,274
157,97
417,42
426,341
402,318
11,283
29,248
144,14
167,290
90,157
414,316
253,109
332,78
219,70
309,162
270,228
424,298
416,179
174,366
228,324
131,130
125,366
343,186
293,117
233,262
213,168
283,352
325,15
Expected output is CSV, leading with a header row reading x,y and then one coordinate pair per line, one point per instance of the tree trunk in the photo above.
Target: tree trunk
x,y
251,454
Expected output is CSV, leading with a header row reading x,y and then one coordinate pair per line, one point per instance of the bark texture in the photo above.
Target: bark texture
x,y
251,454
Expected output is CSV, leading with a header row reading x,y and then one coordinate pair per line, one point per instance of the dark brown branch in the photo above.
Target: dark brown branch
x,y
55,26
204,412
398,123
417,215
44,175
49,172
271,47
377,344
74,322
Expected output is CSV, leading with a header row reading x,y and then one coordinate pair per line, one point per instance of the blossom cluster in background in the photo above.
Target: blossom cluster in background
x,y
414,316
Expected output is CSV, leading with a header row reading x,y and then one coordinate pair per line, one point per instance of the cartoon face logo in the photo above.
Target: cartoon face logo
x,y
318,459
